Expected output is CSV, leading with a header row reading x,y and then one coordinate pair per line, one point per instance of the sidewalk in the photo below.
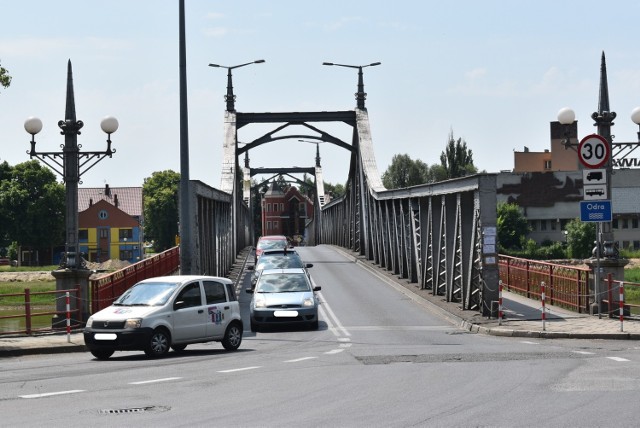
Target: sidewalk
x,y
522,318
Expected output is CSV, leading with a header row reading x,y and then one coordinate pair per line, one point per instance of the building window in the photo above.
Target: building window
x,y
625,244
533,225
636,245
281,207
268,208
275,224
104,233
634,223
543,224
125,234
553,224
547,164
614,223
103,214
83,234
625,223
269,226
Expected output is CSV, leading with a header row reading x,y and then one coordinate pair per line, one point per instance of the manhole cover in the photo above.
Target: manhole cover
x,y
133,410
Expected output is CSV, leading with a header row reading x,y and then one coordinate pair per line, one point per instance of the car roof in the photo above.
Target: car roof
x,y
178,279
278,251
280,271
275,237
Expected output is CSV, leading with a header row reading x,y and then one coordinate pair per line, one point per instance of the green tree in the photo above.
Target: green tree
x,y
457,159
512,226
581,237
335,190
5,78
160,205
31,206
405,172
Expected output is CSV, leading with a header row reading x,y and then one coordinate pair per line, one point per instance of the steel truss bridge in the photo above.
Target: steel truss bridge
x,y
441,236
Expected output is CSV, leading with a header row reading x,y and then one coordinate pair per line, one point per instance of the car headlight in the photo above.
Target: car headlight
x,y
133,323
89,322
308,303
259,302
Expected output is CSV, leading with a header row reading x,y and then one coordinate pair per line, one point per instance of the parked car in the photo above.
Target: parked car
x,y
277,259
167,312
270,242
283,296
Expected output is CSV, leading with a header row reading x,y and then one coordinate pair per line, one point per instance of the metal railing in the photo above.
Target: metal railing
x,y
75,315
106,289
566,286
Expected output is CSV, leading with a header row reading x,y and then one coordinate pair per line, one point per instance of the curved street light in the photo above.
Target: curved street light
x,y
230,98
361,95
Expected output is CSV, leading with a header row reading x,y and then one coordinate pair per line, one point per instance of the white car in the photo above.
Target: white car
x,y
283,296
167,312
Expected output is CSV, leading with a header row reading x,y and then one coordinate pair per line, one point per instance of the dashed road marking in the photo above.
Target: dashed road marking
x,y
619,359
238,370
300,359
166,379
49,394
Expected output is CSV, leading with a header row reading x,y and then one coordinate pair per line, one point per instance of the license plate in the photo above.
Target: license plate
x,y
105,336
285,314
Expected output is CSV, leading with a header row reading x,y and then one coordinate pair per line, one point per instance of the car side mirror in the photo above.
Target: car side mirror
x,y
249,290
250,267
178,305
317,288
309,265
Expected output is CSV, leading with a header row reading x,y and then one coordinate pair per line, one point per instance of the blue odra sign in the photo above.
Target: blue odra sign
x,y
595,210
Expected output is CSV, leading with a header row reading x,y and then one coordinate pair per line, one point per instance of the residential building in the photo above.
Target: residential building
x,y
285,211
110,223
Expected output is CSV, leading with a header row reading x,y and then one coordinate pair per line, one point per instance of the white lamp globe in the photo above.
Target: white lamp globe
x,y
109,124
566,116
33,125
635,115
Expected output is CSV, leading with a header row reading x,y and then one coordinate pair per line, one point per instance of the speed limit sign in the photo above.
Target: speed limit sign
x,y
593,151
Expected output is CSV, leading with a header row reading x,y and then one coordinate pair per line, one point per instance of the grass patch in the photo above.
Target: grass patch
x,y
28,268
34,287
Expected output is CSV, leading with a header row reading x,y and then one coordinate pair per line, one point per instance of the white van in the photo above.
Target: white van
x,y
167,312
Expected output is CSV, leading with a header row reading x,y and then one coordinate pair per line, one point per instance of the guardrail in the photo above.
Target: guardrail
x,y
566,286
616,303
66,321
108,288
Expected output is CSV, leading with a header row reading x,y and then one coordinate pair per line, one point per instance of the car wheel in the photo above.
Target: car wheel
x,y
102,354
159,342
254,327
232,337
178,348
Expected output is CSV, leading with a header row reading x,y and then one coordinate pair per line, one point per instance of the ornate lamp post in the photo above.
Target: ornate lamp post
x,y
230,98
71,163
603,118
361,95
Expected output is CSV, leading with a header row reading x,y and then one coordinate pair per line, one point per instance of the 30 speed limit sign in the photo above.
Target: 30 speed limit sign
x,y
593,151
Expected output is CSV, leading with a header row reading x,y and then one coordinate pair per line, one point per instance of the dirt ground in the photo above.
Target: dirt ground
x,y
35,276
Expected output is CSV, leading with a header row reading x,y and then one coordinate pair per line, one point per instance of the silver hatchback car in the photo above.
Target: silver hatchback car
x,y
283,296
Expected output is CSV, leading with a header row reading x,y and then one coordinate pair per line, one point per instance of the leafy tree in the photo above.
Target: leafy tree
x,y
336,190
160,205
5,78
31,206
581,237
457,159
512,226
405,172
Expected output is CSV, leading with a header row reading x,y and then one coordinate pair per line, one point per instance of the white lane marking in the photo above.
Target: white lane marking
x,y
334,323
334,351
166,379
526,342
345,345
400,328
584,352
49,394
344,339
300,359
620,360
238,370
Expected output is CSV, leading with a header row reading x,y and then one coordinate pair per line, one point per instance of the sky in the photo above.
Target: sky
x,y
494,73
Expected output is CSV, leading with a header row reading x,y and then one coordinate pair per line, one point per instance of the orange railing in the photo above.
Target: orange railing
x,y
566,286
74,315
106,289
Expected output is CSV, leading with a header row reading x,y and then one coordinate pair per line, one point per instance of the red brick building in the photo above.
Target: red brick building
x,y
285,212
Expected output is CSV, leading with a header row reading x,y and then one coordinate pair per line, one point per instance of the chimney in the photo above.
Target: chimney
x,y
115,200
107,191
90,202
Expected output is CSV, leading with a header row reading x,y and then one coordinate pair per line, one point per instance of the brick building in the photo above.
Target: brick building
x,y
285,211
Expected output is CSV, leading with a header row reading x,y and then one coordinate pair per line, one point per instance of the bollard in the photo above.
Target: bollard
x,y
621,306
68,318
544,313
500,302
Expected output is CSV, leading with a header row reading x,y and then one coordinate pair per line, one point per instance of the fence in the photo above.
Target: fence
x,y
615,298
106,289
566,286
66,322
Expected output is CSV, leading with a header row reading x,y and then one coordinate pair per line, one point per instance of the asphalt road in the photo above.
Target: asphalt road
x,y
379,359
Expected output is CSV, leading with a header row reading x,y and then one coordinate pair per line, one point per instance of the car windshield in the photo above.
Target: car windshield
x,y
147,294
283,283
279,262
268,244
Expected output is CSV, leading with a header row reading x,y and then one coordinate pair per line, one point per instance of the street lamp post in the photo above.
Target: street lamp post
x,y
317,143
361,95
69,163
603,118
230,98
